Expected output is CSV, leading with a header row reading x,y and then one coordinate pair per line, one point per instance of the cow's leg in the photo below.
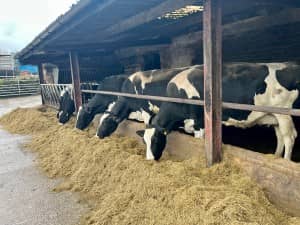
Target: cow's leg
x,y
251,120
191,127
199,126
288,132
280,142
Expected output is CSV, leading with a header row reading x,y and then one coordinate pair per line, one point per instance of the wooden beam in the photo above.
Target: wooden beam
x,y
63,25
74,64
243,27
146,16
103,47
212,47
41,76
139,50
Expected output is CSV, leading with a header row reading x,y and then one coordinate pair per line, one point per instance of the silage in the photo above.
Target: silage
x,y
123,188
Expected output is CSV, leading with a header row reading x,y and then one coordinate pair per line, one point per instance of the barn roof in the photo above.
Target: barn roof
x,y
101,26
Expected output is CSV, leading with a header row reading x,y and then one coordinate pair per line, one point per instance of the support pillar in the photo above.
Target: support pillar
x,y
42,81
75,72
212,48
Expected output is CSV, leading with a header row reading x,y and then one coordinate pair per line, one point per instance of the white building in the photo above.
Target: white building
x,y
7,64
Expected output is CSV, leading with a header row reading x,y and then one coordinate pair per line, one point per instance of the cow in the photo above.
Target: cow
x,y
99,103
66,105
273,84
153,82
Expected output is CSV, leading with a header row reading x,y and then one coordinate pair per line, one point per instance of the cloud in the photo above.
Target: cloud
x,y
10,29
21,21
10,46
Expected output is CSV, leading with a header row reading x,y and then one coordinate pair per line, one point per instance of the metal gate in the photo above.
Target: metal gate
x,y
51,92
19,87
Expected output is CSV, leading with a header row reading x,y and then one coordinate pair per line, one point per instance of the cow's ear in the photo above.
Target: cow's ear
x,y
140,133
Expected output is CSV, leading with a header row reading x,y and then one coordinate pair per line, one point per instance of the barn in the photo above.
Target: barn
x,y
97,39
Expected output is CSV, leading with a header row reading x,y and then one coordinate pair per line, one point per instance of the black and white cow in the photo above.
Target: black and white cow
x,y
99,103
274,84
66,105
152,82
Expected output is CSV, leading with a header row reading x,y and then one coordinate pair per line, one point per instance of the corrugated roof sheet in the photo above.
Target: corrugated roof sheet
x,y
182,12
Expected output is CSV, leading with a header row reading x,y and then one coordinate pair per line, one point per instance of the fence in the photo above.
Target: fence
x,y
8,77
227,105
51,92
10,87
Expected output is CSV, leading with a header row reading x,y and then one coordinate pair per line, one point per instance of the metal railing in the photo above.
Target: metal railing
x,y
228,105
51,93
8,77
18,87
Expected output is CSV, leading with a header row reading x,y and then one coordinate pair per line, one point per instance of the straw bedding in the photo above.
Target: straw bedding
x,y
121,187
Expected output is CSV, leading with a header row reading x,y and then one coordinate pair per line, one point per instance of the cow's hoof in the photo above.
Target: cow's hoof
x,y
226,124
149,159
230,122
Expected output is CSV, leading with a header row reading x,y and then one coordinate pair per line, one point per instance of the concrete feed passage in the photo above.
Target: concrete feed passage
x,y
25,193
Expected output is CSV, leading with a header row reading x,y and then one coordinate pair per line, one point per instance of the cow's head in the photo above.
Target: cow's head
x,y
66,106
84,118
155,140
108,124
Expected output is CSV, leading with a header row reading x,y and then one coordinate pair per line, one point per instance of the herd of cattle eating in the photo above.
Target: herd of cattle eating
x,y
269,84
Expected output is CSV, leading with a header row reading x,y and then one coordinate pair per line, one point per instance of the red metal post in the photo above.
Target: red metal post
x,y
42,81
212,47
74,63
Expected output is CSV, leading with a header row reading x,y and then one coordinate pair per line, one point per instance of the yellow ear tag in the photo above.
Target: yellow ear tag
x,y
165,133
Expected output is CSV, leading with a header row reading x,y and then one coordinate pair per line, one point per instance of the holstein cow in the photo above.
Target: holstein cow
x,y
99,103
66,105
152,82
274,84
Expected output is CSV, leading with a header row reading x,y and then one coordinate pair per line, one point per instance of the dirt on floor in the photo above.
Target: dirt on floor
x,y
113,176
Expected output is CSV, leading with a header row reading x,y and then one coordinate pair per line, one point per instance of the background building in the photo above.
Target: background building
x,y
8,64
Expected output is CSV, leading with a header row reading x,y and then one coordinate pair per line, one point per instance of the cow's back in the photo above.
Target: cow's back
x,y
289,78
152,82
243,78
113,83
241,81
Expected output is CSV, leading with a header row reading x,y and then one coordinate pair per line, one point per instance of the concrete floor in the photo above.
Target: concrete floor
x,y
25,193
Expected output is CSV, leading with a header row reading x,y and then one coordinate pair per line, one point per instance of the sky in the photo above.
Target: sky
x,y
22,20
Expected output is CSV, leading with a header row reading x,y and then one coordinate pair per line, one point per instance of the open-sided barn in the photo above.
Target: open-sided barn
x,y
96,39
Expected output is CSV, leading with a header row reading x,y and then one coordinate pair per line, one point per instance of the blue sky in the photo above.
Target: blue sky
x,y
22,20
